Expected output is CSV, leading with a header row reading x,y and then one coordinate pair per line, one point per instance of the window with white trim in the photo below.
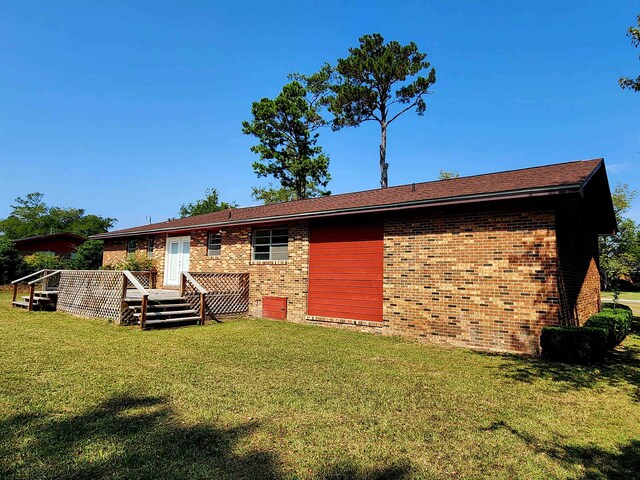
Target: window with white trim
x,y
214,244
270,244
131,248
150,246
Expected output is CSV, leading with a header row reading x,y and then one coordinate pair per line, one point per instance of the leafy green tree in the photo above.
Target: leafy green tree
x,y
363,87
269,195
210,203
626,82
30,216
620,253
286,131
447,174
89,255
12,265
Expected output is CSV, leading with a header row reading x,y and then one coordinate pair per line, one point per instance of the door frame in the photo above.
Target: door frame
x,y
180,240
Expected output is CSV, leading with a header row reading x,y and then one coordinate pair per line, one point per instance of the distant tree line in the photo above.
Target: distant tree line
x,y
31,216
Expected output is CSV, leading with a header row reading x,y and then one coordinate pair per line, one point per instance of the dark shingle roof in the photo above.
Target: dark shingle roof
x,y
545,180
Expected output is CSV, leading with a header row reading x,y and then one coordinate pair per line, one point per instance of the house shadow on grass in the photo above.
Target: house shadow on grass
x,y
139,437
590,461
127,437
620,368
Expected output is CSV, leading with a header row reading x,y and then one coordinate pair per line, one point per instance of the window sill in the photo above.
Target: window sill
x,y
268,262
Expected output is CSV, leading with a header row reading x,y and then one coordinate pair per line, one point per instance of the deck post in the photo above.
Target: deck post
x,y
124,286
143,311
45,281
183,282
32,291
153,279
203,305
15,292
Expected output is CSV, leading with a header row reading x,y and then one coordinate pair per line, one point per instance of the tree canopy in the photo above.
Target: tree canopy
x,y
620,253
447,174
378,82
626,82
210,203
287,141
30,216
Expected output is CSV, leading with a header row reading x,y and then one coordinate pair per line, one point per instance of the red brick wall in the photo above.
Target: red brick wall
x,y
578,275
481,279
114,251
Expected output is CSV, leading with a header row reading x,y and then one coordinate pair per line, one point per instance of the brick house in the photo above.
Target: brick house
x,y
483,261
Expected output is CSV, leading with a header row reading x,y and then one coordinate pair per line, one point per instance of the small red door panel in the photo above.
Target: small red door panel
x,y
274,307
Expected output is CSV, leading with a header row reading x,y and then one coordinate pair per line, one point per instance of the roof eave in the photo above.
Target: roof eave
x,y
458,200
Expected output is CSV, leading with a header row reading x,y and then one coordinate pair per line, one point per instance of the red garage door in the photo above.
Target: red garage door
x,y
345,271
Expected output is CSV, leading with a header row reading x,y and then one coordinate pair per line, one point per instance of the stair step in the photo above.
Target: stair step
x,y
21,304
36,299
151,306
172,320
165,313
46,292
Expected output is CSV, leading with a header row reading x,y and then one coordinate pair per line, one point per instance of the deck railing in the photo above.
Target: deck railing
x,y
224,293
194,293
146,278
129,278
47,277
100,293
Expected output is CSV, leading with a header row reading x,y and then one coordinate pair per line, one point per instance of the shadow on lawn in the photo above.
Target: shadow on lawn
x,y
621,367
137,437
128,437
593,462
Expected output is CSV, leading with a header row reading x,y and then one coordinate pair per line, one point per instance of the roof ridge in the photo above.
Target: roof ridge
x,y
408,185
566,173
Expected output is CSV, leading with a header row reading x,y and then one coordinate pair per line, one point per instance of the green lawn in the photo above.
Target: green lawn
x,y
635,307
623,295
261,399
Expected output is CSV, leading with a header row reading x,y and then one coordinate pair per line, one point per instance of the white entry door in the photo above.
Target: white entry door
x,y
177,260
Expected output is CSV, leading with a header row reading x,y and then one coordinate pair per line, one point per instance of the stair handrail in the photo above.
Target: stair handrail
x,y
195,283
55,272
187,277
32,286
127,275
18,280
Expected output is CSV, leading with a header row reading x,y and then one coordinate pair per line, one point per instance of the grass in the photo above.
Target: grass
x,y
623,295
635,307
250,398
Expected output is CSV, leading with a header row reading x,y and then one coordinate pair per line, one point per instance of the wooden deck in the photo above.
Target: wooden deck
x,y
154,294
131,297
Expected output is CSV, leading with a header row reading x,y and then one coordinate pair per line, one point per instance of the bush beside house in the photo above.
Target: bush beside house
x,y
590,342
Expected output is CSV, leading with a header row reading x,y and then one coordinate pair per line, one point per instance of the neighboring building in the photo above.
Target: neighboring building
x,y
62,244
483,261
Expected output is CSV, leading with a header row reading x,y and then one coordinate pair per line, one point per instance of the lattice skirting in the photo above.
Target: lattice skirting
x,y
91,293
228,292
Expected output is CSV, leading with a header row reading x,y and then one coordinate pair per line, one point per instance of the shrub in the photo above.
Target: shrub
x,y
615,320
135,263
573,344
41,260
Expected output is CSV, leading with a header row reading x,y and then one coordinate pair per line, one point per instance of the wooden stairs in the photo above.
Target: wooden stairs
x,y
164,312
42,300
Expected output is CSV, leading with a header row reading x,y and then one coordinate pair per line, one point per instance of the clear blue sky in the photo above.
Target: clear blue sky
x,y
130,109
